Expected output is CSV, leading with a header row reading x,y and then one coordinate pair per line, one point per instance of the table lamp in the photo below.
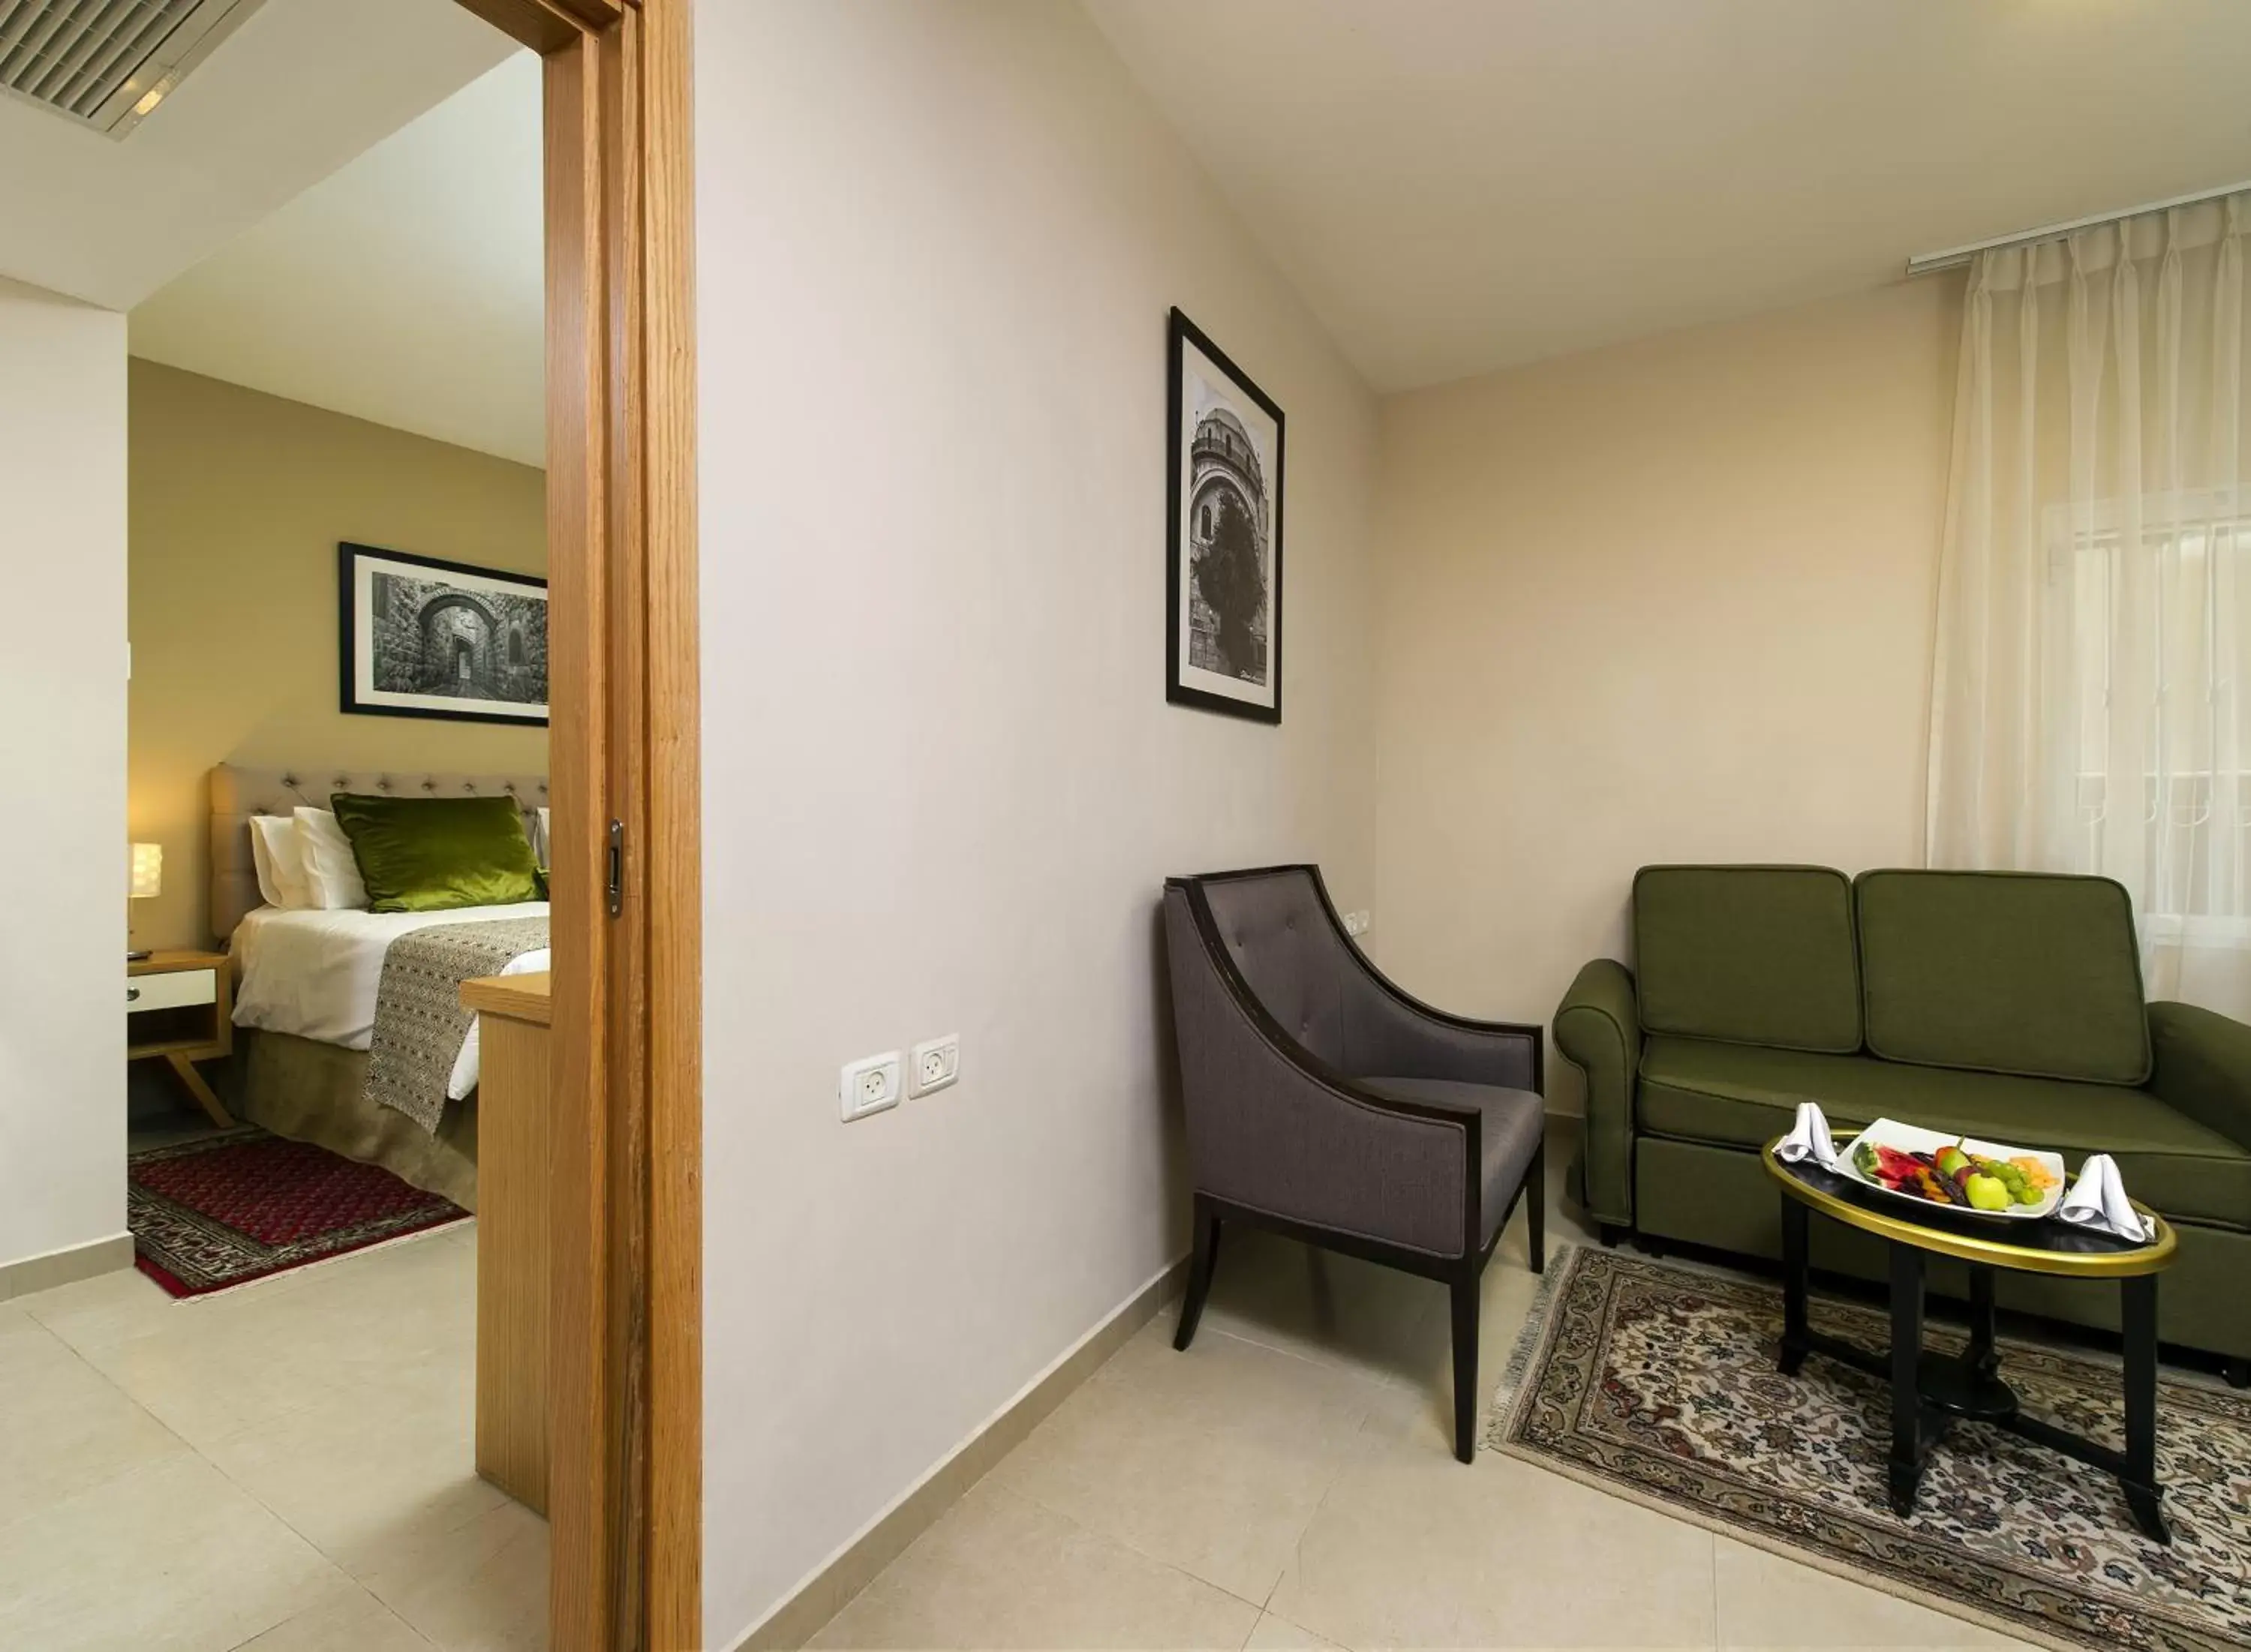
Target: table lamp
x,y
145,880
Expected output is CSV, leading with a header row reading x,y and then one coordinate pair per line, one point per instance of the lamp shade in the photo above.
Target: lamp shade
x,y
148,876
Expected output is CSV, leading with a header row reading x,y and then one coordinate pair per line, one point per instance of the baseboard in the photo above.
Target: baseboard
x,y
854,1566
66,1267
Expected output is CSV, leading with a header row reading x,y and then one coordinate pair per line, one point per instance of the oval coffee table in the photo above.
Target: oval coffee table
x,y
1930,1390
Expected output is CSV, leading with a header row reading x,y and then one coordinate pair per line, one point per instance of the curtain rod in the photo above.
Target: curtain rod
x,y
1955,256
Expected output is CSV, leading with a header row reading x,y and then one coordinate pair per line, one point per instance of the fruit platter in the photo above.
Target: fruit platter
x,y
1957,1172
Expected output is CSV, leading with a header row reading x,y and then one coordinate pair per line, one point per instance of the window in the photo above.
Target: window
x,y
2150,601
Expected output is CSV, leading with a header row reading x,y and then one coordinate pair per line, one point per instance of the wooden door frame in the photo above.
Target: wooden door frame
x,y
625,1501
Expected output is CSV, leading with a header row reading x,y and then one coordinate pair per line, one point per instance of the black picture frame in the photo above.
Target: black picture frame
x,y
1256,643
500,595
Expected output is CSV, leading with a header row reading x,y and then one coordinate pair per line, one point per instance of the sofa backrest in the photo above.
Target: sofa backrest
x,y
1748,954
2027,972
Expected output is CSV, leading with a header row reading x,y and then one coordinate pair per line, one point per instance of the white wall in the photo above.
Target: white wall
x,y
937,245
62,747
1667,601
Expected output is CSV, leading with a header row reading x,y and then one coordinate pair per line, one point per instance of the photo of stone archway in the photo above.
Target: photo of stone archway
x,y
430,638
1224,640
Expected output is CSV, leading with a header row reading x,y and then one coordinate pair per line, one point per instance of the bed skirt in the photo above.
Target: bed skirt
x,y
314,1092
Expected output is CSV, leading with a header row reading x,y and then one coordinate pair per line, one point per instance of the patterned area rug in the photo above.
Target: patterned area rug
x,y
1656,1382
226,1210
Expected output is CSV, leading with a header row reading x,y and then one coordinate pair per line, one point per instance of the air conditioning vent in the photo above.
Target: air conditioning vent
x,y
107,63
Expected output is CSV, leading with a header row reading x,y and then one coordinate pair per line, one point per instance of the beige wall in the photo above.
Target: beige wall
x,y
1667,601
62,745
238,501
942,786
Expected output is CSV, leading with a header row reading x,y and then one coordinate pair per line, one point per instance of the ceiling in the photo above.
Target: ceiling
x,y
300,89
1459,185
408,287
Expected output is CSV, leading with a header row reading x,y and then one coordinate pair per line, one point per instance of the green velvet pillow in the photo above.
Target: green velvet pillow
x,y
432,854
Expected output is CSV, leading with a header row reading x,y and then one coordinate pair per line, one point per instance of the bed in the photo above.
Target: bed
x,y
307,983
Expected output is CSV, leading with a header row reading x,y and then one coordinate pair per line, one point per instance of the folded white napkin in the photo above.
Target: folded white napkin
x,y
1809,1138
2098,1200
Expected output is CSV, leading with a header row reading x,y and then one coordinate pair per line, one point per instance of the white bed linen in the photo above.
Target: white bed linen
x,y
314,973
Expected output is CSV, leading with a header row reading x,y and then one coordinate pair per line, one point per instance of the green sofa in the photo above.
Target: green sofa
x,y
2003,1005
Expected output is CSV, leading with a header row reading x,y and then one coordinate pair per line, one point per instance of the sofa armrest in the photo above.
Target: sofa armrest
x,y
1599,1029
2203,1067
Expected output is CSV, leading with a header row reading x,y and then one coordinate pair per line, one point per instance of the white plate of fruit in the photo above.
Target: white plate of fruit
x,y
1956,1172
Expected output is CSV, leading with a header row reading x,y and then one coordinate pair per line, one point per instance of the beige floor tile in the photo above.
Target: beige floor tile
x,y
481,1587
1767,1600
1279,1634
170,1557
366,1464
1213,1459
1316,1304
1413,1549
210,1370
115,1308
998,1570
354,1621
64,1426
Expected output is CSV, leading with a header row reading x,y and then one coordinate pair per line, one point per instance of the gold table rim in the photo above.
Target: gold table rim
x,y
1994,1253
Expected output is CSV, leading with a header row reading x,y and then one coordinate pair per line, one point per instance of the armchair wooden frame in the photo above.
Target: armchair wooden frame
x,y
626,1311
1460,1274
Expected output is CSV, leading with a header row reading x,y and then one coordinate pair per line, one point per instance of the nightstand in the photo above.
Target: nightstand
x,y
180,1006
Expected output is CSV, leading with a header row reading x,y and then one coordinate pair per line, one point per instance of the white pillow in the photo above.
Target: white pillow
x,y
332,880
277,852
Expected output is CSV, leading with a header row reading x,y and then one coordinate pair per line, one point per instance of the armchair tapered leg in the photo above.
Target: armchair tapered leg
x,y
1464,1288
1535,1210
1201,1260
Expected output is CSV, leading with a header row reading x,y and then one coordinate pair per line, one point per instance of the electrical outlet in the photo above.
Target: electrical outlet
x,y
869,1085
933,1064
1355,922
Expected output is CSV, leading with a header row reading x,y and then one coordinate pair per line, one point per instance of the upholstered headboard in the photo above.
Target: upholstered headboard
x,y
237,793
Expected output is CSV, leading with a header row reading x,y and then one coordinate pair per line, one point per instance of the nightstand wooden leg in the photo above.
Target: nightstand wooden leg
x,y
206,1097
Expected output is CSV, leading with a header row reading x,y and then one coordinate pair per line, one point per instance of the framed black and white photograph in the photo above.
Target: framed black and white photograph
x,y
420,637
1223,543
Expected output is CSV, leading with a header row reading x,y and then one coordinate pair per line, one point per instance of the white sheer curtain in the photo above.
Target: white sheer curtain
x,y
2089,707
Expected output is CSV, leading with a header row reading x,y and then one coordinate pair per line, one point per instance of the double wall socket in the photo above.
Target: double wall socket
x,y
1356,922
869,1085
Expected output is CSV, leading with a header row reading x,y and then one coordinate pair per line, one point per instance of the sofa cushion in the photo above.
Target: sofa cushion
x,y
1753,954
2004,972
1511,1128
1697,1090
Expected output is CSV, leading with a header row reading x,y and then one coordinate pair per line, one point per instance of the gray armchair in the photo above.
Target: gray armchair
x,y
1325,1105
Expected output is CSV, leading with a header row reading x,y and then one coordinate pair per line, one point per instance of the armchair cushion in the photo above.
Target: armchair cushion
x,y
1752,954
2023,972
1731,1094
1512,1123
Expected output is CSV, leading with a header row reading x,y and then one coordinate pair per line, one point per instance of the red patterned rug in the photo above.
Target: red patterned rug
x,y
226,1210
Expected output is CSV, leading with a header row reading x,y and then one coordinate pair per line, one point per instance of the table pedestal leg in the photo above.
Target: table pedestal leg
x,y
1906,1389
1794,1346
2139,1322
1980,1356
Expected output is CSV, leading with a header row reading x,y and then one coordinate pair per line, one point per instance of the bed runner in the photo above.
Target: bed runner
x,y
419,1022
